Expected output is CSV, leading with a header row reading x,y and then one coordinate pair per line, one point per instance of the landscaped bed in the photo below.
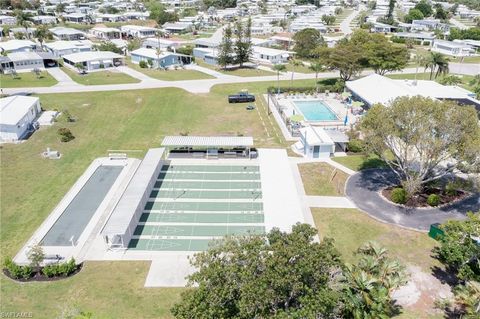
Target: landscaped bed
x,y
429,197
50,272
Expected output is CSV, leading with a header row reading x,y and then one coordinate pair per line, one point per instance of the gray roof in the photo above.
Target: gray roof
x,y
124,211
337,136
207,141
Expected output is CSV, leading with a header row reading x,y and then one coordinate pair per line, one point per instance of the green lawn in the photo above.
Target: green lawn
x,y
322,179
135,120
300,69
171,75
244,72
99,78
350,228
28,79
360,161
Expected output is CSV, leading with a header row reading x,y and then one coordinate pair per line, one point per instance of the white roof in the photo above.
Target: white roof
x,y
452,44
270,51
63,30
91,56
24,56
65,45
137,28
105,29
16,44
150,53
379,89
14,108
316,136
207,141
126,207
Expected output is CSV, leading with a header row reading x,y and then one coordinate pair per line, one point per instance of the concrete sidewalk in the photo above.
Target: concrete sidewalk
x,y
329,202
135,74
208,71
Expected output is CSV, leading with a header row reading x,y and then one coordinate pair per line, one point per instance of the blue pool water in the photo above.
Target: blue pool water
x,y
315,111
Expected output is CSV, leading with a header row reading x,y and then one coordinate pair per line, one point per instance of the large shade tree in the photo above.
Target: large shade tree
x,y
421,139
279,275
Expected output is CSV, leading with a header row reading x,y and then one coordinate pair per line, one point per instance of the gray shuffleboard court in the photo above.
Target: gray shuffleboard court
x,y
81,209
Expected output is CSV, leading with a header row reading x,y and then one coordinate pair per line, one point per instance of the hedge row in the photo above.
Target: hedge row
x,y
54,270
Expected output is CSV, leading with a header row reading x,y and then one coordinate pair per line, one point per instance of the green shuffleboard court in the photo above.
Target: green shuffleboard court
x,y
191,206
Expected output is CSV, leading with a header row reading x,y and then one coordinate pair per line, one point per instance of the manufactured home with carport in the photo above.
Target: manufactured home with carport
x,y
162,60
17,115
94,60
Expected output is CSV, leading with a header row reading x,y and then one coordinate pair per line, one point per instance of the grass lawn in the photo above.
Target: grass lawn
x,y
351,228
360,161
28,79
135,120
171,75
101,77
299,69
244,72
107,289
322,179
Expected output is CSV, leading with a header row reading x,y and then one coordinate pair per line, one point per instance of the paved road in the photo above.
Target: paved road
x,y
345,24
363,190
464,68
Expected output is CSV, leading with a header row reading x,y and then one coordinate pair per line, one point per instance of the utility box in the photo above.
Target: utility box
x,y
436,232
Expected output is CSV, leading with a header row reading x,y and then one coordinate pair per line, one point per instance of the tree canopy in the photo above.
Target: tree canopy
x,y
416,136
159,14
306,41
289,275
425,7
220,4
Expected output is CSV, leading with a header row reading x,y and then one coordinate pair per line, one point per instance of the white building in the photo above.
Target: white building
x,y
160,43
104,33
17,46
7,20
17,115
162,60
269,55
315,142
75,17
26,61
136,31
69,34
42,19
94,60
452,48
61,48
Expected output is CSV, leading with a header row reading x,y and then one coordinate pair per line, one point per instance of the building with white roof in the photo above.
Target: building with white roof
x,y
315,142
375,88
7,20
17,115
104,33
163,60
69,34
94,60
26,61
17,46
161,43
269,55
44,19
75,17
136,31
61,48
452,48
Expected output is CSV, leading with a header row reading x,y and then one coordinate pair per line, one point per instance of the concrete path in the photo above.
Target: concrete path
x,y
303,160
208,71
61,77
134,73
329,202
162,274
345,24
364,188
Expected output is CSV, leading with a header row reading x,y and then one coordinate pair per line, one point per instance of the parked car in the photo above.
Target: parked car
x,y
241,98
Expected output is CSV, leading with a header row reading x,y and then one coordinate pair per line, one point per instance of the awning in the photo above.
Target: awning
x,y
337,136
108,61
225,141
94,62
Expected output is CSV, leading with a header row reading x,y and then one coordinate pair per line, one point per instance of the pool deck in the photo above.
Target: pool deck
x,y
75,251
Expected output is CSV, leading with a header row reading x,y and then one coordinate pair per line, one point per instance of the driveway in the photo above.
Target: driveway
x,y
61,77
363,189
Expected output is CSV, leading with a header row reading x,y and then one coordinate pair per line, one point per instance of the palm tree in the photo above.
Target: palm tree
x,y
279,68
295,63
317,68
23,19
436,62
41,34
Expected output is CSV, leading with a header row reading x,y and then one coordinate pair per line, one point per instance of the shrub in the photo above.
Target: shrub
x,y
62,269
17,271
399,195
65,134
143,64
355,146
433,200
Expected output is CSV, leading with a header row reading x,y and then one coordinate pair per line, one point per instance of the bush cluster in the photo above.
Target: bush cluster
x,y
143,64
17,271
65,134
399,195
355,146
62,269
433,200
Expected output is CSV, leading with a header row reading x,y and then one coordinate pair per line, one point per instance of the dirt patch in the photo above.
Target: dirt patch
x,y
420,200
421,291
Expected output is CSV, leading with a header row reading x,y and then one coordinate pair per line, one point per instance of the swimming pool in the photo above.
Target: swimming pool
x,y
315,110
